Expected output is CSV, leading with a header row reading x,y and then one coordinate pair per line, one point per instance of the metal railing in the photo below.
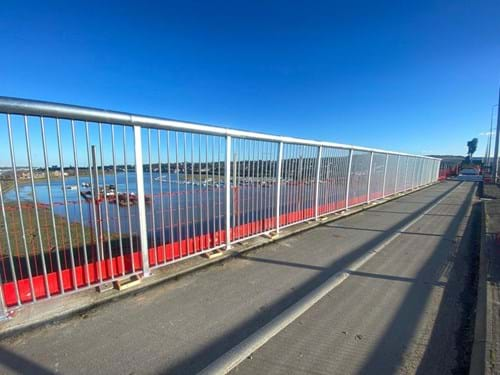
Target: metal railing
x,y
89,196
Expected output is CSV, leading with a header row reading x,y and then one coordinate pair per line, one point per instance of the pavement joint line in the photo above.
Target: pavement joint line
x,y
252,343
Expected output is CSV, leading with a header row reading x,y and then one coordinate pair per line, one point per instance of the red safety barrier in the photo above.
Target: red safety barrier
x,y
117,266
444,173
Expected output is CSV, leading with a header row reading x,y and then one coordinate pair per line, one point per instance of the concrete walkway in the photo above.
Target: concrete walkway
x,y
401,312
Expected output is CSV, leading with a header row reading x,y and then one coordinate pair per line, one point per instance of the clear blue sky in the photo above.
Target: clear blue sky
x,y
415,76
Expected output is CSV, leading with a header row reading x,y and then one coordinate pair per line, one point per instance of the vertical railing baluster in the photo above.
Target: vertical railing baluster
x,y
385,174
420,172
369,178
316,193
397,176
227,178
278,186
348,180
427,171
19,207
141,201
9,249
35,204
4,313
426,174
405,184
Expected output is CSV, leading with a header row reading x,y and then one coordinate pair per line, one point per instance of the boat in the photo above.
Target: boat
x,y
87,195
125,199
71,187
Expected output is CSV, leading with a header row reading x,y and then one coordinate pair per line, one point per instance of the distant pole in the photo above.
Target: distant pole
x,y
495,158
487,155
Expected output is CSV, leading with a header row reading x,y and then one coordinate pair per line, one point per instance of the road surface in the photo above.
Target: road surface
x,y
403,311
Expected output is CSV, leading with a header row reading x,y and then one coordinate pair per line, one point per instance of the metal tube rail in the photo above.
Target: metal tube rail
x,y
65,111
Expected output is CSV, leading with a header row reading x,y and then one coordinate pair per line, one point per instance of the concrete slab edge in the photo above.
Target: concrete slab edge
x,y
153,281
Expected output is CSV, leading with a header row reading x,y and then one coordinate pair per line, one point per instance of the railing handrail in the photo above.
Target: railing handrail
x,y
65,111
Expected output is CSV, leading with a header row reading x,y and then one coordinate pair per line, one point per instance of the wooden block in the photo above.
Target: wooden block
x,y
271,235
127,283
213,254
106,287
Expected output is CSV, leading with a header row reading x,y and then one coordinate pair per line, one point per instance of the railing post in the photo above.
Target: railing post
x,y
348,180
421,172
227,177
412,173
141,201
397,176
385,174
316,192
3,305
278,187
406,173
369,178
4,312
417,167
427,176
97,208
428,173
417,178
425,164
430,165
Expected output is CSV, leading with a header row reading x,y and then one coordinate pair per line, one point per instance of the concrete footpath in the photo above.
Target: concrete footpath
x,y
404,311
486,350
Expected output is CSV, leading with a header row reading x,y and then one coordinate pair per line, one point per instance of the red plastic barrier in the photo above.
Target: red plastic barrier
x,y
163,254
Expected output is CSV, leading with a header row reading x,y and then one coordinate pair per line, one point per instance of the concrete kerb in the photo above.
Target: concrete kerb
x,y
481,356
478,355
52,311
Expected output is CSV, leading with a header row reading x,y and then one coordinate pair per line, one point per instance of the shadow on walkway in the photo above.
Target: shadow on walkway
x,y
217,347
402,329
21,365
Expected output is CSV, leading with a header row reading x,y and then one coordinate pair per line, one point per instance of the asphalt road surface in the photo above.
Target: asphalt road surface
x,y
403,311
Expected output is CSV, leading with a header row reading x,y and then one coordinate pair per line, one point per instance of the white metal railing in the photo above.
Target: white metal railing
x,y
89,196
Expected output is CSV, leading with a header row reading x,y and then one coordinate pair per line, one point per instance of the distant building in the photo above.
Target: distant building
x,y
26,175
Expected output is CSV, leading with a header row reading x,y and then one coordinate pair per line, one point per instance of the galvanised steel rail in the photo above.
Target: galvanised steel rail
x,y
91,196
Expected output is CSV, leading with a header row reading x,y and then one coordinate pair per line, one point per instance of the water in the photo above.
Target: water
x,y
184,208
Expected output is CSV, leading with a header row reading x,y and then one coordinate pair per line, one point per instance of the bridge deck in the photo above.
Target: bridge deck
x,y
401,311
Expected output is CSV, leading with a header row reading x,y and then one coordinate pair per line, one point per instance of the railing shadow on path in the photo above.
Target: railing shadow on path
x,y
217,347
390,349
21,365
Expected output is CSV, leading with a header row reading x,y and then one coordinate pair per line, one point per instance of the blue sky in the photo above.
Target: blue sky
x,y
419,77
